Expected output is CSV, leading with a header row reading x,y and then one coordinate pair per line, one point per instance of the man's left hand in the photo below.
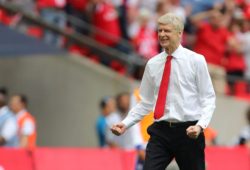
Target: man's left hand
x,y
194,131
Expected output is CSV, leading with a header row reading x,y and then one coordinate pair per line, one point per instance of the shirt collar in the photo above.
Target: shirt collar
x,y
177,53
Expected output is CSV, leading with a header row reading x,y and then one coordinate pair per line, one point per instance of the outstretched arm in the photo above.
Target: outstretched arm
x,y
142,108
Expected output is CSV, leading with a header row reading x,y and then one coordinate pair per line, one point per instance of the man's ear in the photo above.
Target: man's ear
x,y
180,34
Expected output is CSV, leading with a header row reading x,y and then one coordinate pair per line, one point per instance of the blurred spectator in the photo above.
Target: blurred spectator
x,y
212,48
26,5
198,6
112,140
244,137
8,123
108,107
210,136
175,7
121,7
234,61
105,17
211,41
143,124
26,122
150,5
132,139
246,47
147,120
52,12
80,10
160,8
143,35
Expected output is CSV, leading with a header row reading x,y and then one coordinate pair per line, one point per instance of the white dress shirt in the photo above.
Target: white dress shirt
x,y
109,136
190,92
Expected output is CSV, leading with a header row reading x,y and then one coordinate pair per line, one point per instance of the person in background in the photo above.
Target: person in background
x,y
8,124
147,120
246,49
143,35
132,139
52,11
105,18
26,122
234,59
214,52
107,106
244,137
210,136
80,10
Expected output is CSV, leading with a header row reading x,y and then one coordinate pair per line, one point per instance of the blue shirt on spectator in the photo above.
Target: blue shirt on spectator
x,y
100,129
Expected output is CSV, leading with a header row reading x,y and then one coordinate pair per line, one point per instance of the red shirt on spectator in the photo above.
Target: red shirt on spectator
x,y
211,42
79,5
51,4
235,60
146,42
106,18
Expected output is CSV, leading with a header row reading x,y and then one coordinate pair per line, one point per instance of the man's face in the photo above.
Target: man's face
x,y
124,103
168,36
215,19
110,107
16,104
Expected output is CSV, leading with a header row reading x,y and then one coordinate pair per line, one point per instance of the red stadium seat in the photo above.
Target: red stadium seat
x,y
241,91
34,31
5,18
117,66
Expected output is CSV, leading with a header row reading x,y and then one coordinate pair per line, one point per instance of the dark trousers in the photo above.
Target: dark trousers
x,y
168,142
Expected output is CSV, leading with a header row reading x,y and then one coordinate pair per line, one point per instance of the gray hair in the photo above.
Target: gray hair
x,y
172,19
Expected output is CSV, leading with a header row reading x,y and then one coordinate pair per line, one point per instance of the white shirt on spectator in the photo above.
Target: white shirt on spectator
x,y
245,38
9,129
190,92
109,136
129,140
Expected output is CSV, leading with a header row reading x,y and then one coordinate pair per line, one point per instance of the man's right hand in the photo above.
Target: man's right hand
x,y
118,129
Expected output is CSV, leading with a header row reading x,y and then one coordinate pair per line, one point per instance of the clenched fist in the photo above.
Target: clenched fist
x,y
194,131
118,129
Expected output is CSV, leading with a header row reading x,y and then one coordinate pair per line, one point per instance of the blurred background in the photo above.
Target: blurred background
x,y
69,69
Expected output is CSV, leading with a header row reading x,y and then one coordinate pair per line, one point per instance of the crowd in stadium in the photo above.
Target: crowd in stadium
x,y
17,125
217,29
